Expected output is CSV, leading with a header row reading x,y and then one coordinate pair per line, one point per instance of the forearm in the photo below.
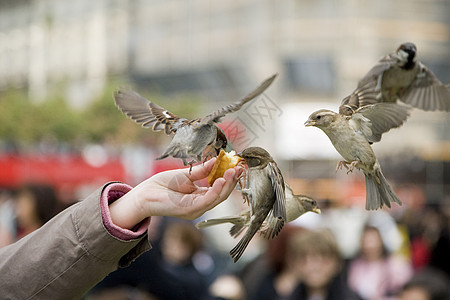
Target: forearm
x,y
53,260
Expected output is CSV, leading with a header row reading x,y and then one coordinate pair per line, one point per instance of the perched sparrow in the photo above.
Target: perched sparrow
x,y
265,191
191,137
351,136
296,205
400,76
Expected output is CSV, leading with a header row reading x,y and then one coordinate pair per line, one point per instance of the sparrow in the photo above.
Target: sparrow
x,y
265,191
352,135
296,205
191,137
400,76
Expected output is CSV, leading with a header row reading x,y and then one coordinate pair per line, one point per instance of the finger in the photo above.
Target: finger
x,y
223,188
201,171
220,190
230,177
213,195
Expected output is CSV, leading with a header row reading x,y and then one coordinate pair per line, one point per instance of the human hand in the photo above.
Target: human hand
x,y
173,193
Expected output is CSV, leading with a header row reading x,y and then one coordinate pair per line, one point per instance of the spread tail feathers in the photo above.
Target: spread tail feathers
x,y
240,247
378,191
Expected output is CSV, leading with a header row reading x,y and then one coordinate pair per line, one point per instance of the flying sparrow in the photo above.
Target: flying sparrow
x,y
191,137
296,205
352,135
265,191
399,75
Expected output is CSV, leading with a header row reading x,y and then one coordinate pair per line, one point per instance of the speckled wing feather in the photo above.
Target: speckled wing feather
x,y
279,207
427,92
374,120
146,113
217,115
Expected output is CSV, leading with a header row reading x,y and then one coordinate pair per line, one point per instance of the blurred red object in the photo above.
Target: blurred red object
x,y
420,253
56,170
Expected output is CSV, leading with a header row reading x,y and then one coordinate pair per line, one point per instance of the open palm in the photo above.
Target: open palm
x,y
174,193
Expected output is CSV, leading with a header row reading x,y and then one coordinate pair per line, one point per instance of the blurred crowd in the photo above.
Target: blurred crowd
x,y
344,253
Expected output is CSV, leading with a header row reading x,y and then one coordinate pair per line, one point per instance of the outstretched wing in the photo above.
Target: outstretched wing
x,y
374,120
145,112
427,92
215,116
382,65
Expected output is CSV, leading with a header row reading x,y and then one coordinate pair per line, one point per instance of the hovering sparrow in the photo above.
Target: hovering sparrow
x,y
265,192
296,205
352,135
400,76
191,137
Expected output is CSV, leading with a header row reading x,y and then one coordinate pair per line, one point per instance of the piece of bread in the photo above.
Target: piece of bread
x,y
225,161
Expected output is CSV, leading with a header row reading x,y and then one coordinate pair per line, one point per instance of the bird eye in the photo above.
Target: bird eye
x,y
318,117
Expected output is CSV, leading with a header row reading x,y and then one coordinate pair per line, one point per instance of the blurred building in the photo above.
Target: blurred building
x,y
319,47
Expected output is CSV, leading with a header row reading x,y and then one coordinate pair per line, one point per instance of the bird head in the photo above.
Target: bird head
x,y
321,118
255,157
309,204
406,53
221,140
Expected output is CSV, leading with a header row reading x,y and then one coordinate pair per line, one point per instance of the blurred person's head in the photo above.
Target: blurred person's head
x,y
316,258
277,247
372,246
428,284
227,287
35,205
180,242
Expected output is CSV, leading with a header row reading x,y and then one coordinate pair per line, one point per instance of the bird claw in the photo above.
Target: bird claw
x,y
190,165
341,164
243,176
245,192
349,166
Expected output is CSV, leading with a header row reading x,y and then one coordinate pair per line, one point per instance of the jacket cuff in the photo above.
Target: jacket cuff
x,y
96,240
111,193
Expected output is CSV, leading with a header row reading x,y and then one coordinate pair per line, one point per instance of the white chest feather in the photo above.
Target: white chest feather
x,y
259,185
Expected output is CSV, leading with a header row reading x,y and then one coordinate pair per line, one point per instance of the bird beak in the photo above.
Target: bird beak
x,y
310,123
317,210
240,155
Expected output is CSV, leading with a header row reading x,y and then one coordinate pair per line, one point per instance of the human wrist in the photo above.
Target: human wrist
x,y
126,212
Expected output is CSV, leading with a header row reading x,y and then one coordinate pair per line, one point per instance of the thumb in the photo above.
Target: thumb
x,y
200,171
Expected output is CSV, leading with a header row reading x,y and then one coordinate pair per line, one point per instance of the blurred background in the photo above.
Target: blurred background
x,y
60,62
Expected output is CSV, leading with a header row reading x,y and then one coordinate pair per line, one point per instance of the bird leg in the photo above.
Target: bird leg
x,y
207,157
247,193
243,176
190,163
352,166
243,185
